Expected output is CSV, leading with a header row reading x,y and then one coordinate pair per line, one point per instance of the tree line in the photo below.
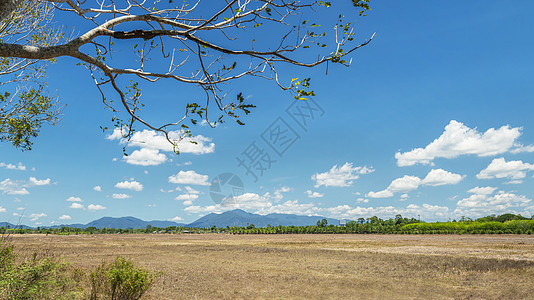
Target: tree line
x,y
493,224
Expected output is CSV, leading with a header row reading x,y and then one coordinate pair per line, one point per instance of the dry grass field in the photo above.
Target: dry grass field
x,y
220,266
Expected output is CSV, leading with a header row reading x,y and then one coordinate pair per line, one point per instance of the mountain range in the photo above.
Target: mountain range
x,y
235,217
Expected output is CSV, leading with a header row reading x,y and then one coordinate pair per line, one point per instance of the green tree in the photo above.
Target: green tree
x,y
184,42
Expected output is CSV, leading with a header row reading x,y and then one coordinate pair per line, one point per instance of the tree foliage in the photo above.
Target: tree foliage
x,y
202,43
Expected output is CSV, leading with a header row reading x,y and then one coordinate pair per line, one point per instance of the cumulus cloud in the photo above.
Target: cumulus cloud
x,y
74,199
130,185
2,209
500,168
189,177
340,176
487,190
191,190
380,194
278,192
151,143
189,197
97,188
425,211
484,202
35,217
405,184
441,177
435,177
121,196
521,148
314,194
12,187
146,157
176,219
95,207
76,205
260,205
18,166
35,181
64,217
458,139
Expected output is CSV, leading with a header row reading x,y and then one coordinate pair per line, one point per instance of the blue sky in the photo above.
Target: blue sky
x,y
433,119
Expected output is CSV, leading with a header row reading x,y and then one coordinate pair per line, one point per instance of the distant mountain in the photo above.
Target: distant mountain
x,y
129,223
10,225
242,218
235,217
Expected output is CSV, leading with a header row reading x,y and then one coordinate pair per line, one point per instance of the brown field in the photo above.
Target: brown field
x,y
220,266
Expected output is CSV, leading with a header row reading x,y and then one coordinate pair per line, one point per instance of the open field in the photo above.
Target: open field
x,y
221,266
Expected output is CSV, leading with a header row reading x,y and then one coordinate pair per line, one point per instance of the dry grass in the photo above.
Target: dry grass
x,y
217,266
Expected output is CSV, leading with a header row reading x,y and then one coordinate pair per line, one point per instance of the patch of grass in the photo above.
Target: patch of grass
x,y
221,266
120,280
35,277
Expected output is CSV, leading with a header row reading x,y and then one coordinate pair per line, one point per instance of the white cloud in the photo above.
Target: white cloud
x,y
499,168
291,207
405,184
362,200
176,219
18,187
120,196
151,143
97,188
12,187
93,207
117,134
314,194
64,217
130,185
191,190
425,211
380,194
74,199
514,182
435,177
340,176
35,217
458,139
151,140
278,192
488,190
438,177
206,123
187,197
2,209
188,202
483,203
250,201
34,181
77,206
18,166
189,177
521,148
146,157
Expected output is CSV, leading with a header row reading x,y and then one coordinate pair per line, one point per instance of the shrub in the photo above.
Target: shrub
x,y
120,280
35,277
